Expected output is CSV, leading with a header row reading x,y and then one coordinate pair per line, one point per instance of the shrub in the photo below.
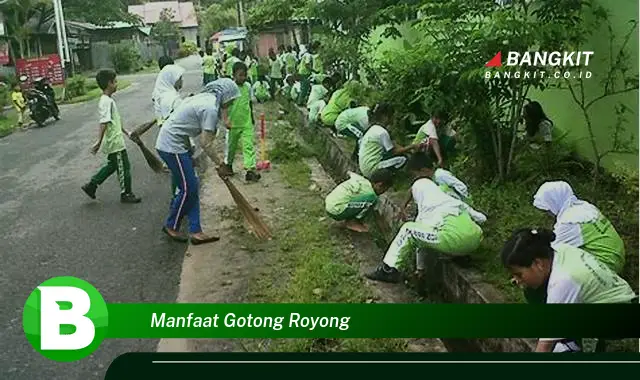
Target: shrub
x,y
76,86
187,48
125,57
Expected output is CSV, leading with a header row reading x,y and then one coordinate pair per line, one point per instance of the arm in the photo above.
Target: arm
x,y
436,149
443,176
96,145
545,345
398,150
567,233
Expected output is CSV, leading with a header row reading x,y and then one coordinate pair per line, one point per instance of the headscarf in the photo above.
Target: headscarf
x,y
224,89
558,198
165,86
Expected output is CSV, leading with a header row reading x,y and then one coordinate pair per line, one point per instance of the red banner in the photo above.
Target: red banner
x,y
46,66
4,52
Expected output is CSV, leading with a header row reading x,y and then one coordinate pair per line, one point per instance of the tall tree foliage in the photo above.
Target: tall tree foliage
x,y
166,29
215,18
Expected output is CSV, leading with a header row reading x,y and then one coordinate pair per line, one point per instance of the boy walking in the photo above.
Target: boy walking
x,y
17,98
242,127
111,139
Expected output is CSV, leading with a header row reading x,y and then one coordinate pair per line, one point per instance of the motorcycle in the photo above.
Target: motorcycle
x,y
41,99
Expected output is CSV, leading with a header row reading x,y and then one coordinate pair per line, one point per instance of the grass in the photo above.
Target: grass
x,y
308,262
93,92
8,123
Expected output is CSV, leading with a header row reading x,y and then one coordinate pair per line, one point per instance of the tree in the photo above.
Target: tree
x,y
23,17
165,29
215,18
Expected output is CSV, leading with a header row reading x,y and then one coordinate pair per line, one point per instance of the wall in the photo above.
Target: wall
x,y
190,34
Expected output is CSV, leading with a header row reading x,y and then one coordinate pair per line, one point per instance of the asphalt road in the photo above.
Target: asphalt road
x,y
49,227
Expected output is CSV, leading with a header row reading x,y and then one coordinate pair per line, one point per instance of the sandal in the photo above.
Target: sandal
x,y
179,237
211,239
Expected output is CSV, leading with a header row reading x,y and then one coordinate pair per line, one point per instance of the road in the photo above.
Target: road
x,y
49,228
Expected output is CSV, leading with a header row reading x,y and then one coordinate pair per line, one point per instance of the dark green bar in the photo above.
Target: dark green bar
x,y
369,366
386,320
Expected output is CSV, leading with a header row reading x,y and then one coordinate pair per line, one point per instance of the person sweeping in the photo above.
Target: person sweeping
x,y
351,200
443,225
241,127
198,115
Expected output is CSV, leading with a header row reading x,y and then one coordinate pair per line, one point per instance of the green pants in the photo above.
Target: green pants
x,y
357,208
233,135
457,235
116,162
305,89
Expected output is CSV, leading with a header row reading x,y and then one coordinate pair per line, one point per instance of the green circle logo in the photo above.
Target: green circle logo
x,y
65,319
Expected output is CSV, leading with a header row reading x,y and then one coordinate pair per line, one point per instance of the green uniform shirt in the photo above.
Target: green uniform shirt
x,y
209,64
358,116
276,68
578,277
339,102
375,144
317,64
355,187
306,64
290,61
318,92
240,110
113,140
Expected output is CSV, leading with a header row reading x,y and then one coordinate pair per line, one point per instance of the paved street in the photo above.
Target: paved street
x,y
49,227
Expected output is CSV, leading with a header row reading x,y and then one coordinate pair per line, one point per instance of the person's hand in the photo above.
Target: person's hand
x,y
94,148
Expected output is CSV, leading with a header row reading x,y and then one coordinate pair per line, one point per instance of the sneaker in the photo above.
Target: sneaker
x,y
90,190
129,198
384,273
252,176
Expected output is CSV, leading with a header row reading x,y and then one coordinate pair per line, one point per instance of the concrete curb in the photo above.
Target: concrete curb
x,y
459,285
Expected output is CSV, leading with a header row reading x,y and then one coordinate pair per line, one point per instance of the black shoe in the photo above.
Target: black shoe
x,y
90,190
252,176
384,273
129,198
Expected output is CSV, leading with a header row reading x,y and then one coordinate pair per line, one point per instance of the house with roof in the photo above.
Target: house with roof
x,y
184,15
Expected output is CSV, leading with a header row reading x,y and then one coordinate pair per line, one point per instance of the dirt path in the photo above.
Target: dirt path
x,y
311,259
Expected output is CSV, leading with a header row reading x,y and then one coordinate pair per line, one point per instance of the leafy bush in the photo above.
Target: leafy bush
x,y
76,86
125,57
187,48
5,90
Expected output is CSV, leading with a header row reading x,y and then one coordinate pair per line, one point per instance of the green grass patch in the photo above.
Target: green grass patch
x,y
95,92
296,173
8,123
308,263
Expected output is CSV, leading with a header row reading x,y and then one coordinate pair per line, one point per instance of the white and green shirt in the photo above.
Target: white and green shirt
x,y
356,186
276,68
596,236
374,145
429,131
578,277
445,177
358,116
113,140
318,92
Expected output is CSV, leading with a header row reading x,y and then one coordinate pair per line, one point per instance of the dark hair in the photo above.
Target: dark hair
x,y
533,116
104,77
235,52
441,114
209,51
381,109
201,53
239,66
316,45
526,245
164,61
384,176
327,82
289,48
419,161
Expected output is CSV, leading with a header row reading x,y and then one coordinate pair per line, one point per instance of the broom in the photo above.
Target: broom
x,y
259,227
154,162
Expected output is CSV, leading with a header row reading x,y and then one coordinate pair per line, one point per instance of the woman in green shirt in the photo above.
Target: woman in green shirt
x,y
569,275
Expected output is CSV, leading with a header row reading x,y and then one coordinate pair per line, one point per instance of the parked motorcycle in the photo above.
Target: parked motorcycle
x,y
41,99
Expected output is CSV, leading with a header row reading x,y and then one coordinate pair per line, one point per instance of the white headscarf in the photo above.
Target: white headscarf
x,y
558,198
165,86
224,89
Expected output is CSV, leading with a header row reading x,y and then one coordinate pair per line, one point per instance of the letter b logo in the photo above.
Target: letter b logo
x,y
65,319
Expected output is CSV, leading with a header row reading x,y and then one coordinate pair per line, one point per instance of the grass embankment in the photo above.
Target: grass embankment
x,y
308,262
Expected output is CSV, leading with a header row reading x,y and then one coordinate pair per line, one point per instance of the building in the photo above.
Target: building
x,y
184,13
